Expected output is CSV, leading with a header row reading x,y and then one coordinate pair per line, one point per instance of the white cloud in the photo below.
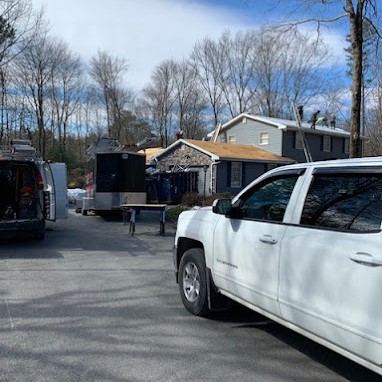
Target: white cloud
x,y
144,32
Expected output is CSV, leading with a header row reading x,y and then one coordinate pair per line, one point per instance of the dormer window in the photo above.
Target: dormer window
x,y
346,145
264,138
327,143
297,141
231,138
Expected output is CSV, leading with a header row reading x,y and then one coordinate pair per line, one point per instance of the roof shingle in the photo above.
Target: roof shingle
x,y
236,151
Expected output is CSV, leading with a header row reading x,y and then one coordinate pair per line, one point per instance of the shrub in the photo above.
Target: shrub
x,y
192,199
173,213
210,198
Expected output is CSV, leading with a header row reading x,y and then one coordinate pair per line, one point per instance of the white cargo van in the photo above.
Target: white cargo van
x,y
28,196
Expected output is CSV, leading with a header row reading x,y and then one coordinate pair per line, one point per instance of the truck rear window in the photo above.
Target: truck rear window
x,y
344,202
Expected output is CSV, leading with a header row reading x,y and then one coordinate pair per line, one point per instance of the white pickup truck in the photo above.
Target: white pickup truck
x,y
302,245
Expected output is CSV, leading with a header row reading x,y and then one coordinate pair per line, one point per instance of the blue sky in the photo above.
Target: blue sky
x,y
146,32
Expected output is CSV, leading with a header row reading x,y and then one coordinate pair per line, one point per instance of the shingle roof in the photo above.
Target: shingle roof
x,y
219,150
285,124
151,152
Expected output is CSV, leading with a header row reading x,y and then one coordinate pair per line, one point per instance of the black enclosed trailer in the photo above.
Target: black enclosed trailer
x,y
115,177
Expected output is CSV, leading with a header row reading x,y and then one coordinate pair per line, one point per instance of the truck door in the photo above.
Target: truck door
x,y
247,242
331,262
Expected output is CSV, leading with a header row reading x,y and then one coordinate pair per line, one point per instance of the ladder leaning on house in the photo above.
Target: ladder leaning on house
x,y
216,133
304,142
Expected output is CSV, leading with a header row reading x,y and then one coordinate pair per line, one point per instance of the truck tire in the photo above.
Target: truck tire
x,y
193,282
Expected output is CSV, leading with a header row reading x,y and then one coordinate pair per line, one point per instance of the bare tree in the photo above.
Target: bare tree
x,y
66,90
134,129
34,69
355,12
190,101
373,145
259,71
206,59
90,114
238,82
158,100
19,26
287,68
109,72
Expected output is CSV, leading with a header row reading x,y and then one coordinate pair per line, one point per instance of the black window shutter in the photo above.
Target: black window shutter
x,y
243,165
228,174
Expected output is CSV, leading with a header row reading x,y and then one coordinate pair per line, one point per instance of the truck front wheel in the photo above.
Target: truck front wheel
x,y
193,282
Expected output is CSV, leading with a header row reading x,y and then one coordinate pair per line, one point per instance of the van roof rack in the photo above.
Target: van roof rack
x,y
19,149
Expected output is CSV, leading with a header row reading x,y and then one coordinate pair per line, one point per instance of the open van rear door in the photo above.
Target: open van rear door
x,y
49,192
58,171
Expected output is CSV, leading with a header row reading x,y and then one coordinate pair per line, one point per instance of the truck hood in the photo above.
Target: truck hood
x,y
196,213
197,223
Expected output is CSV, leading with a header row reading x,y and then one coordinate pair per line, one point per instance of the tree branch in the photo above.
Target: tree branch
x,y
317,20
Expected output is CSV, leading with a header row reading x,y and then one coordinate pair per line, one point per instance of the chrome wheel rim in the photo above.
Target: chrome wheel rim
x,y
191,282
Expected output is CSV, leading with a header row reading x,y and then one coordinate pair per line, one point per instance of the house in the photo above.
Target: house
x,y
150,154
282,137
222,167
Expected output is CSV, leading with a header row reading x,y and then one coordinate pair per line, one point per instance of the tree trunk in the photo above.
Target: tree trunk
x,y
356,36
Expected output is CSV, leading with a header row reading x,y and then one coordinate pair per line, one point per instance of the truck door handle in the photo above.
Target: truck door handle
x,y
365,259
268,239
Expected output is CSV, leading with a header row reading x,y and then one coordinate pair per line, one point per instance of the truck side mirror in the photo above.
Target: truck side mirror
x,y
221,206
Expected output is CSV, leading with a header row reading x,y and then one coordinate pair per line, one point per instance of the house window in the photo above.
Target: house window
x,y
327,143
346,145
244,119
236,174
231,138
264,138
297,141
